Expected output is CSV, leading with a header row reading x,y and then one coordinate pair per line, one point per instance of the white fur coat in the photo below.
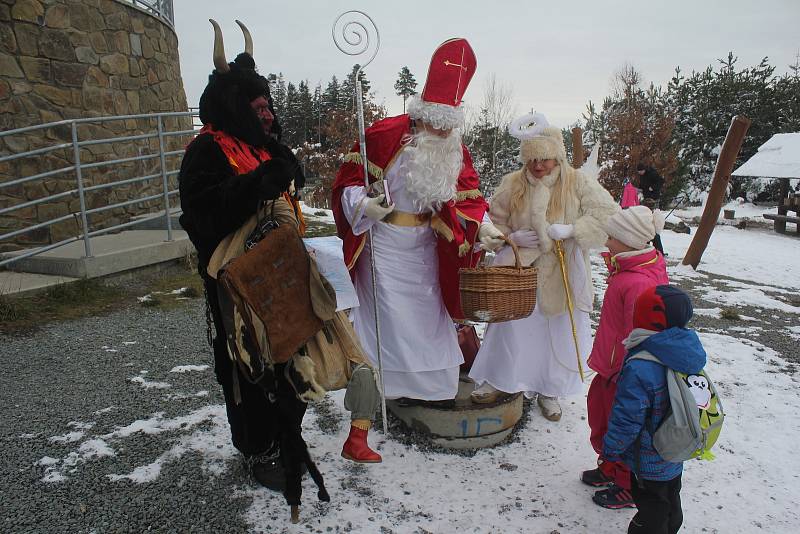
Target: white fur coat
x,y
587,206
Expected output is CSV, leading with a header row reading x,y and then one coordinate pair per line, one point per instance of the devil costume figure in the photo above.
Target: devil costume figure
x,y
232,166
419,240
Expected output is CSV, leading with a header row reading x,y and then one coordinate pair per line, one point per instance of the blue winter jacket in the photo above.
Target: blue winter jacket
x,y
642,393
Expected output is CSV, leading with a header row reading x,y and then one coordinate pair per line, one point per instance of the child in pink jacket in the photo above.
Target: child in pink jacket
x,y
634,266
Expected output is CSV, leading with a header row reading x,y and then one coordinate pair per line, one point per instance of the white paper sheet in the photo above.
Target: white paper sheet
x,y
330,261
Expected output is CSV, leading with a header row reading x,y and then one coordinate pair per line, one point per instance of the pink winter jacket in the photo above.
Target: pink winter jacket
x,y
630,275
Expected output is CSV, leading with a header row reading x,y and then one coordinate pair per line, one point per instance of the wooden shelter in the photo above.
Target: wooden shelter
x,y
779,158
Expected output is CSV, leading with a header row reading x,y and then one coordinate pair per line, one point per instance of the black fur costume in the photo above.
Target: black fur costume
x,y
215,202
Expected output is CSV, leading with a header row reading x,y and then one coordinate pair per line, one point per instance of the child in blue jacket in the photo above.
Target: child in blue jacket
x,y
642,400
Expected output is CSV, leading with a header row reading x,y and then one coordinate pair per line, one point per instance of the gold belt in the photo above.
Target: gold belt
x,y
402,218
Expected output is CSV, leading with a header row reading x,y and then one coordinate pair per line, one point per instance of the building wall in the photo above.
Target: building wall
x,y
65,59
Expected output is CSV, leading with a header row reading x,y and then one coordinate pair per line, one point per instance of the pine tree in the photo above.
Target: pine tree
x,y
291,117
330,98
305,118
348,88
277,89
405,85
638,129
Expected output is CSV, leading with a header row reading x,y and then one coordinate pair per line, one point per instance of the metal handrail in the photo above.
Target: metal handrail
x,y
160,9
80,189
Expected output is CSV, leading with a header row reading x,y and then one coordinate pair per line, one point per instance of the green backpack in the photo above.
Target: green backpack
x,y
694,421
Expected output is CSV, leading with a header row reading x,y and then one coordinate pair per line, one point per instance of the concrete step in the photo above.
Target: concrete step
x,y
111,254
14,283
157,221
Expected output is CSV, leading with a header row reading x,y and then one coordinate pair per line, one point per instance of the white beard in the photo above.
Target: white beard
x,y
432,168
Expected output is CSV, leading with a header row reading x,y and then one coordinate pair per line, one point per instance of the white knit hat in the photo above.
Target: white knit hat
x,y
635,226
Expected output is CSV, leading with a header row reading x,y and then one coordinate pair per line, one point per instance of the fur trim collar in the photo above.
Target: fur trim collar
x,y
547,181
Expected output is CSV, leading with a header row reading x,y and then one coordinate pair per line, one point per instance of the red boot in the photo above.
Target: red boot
x,y
356,447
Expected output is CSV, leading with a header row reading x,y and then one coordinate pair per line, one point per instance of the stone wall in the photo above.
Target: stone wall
x,y
65,59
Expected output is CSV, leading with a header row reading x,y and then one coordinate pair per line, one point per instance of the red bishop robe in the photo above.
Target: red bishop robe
x,y
456,223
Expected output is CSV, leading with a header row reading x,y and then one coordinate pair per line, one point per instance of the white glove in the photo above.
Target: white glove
x,y
374,210
490,237
525,238
561,231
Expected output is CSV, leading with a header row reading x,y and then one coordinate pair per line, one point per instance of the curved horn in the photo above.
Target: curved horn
x,y
220,63
248,39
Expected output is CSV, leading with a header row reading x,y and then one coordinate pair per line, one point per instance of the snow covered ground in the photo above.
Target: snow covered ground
x,y
530,484
742,210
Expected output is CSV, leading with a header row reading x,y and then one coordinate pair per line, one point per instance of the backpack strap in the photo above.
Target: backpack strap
x,y
644,355
648,420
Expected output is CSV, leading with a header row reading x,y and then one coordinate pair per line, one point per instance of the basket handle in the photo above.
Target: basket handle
x,y
515,249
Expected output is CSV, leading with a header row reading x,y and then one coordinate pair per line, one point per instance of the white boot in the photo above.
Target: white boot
x,y
551,409
486,394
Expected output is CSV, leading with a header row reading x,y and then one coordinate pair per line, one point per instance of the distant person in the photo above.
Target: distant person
x,y
659,318
634,266
650,183
630,194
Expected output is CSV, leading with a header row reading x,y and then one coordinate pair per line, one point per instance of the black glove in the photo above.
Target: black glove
x,y
275,176
284,152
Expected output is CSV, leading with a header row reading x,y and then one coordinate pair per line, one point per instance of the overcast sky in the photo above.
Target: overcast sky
x,y
554,55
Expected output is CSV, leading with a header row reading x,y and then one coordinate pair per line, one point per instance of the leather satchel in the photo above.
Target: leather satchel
x,y
270,284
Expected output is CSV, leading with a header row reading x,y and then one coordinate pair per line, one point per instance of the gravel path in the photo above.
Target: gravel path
x,y
116,423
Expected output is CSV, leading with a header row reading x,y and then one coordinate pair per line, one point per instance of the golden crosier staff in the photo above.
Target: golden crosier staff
x,y
563,262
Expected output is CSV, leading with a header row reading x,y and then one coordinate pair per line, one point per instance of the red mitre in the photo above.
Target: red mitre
x,y
456,223
449,73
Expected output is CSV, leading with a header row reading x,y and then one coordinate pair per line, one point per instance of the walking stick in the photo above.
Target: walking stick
x,y
356,42
563,262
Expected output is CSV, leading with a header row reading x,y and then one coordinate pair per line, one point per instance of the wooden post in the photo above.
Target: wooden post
x,y
783,205
719,185
578,155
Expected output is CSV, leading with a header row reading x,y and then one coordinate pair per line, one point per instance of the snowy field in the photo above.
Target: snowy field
x,y
528,485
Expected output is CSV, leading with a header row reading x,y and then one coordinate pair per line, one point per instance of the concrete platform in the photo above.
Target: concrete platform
x,y
14,283
111,254
466,425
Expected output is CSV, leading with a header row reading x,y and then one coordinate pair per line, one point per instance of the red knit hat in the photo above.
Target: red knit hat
x,y
662,307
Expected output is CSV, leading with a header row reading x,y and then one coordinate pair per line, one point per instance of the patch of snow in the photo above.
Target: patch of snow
x,y
794,332
95,448
69,437
746,297
181,396
188,368
312,214
147,384
759,256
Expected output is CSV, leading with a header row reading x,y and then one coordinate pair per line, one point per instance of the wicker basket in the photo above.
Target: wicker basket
x,y
497,294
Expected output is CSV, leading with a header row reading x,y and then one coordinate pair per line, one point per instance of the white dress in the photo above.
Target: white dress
x,y
537,354
420,351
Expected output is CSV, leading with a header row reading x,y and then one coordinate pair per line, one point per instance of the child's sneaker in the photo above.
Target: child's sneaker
x,y
614,497
595,478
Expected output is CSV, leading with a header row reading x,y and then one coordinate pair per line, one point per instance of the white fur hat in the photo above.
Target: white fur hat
x,y
439,116
538,139
635,226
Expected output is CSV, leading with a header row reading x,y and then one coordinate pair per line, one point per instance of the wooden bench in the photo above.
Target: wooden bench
x,y
781,220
